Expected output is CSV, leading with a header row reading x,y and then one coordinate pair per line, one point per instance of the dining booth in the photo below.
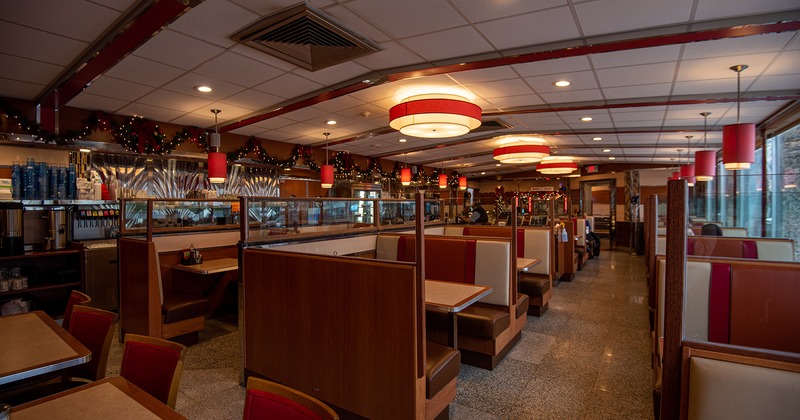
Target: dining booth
x,y
322,315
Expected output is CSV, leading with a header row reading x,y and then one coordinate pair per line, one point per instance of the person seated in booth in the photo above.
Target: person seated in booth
x,y
479,215
711,229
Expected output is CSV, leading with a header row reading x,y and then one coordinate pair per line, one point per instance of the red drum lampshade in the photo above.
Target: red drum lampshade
x,y
326,176
738,146
687,173
442,181
435,116
405,176
462,183
705,165
522,153
217,167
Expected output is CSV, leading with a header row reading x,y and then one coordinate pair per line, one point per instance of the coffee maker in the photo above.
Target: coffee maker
x,y
11,228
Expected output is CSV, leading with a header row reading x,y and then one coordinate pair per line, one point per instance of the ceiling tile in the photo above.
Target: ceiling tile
x,y
640,56
21,90
637,75
150,112
501,88
714,9
481,10
100,103
785,64
639,91
186,84
24,70
557,67
288,86
785,83
572,96
229,112
394,54
246,72
736,46
144,71
610,16
76,19
510,102
719,67
409,17
455,42
178,50
248,130
116,88
545,26
37,45
175,101
195,120
711,86
214,20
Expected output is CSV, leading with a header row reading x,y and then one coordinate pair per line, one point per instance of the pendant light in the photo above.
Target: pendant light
x,y
462,180
217,162
326,170
705,161
405,173
435,116
442,178
738,140
557,165
677,175
687,171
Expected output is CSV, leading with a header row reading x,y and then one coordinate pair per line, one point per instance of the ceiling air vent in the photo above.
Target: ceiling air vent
x,y
493,125
306,37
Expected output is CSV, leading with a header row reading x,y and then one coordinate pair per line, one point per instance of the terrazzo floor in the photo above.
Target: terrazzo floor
x,y
587,357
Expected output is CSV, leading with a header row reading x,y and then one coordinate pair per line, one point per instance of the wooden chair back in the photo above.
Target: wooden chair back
x,y
93,328
153,364
270,398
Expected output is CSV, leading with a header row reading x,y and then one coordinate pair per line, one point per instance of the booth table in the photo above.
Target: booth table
x,y
108,398
450,297
525,264
33,344
226,268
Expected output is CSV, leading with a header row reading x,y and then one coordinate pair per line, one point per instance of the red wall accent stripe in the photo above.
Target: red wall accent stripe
x,y
749,250
469,262
719,304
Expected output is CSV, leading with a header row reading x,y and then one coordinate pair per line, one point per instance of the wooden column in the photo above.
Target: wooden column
x,y
419,199
677,199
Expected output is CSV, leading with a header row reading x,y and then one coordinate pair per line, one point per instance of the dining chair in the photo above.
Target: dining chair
x,y
154,365
270,400
94,328
75,298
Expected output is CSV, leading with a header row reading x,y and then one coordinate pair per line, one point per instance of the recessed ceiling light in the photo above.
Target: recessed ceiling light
x,y
561,83
483,173
402,140
606,150
203,88
597,138
499,164
330,122
85,150
611,158
586,119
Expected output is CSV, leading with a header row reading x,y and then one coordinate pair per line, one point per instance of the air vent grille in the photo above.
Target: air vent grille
x,y
306,37
492,125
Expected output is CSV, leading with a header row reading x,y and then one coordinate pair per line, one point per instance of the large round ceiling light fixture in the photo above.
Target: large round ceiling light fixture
x,y
738,140
521,149
435,116
556,165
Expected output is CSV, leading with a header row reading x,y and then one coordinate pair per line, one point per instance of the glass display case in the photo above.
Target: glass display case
x,y
177,215
272,216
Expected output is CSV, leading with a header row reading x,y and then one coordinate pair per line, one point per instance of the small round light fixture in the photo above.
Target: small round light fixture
x,y
586,119
561,83
82,150
402,140
330,122
203,88
606,150
483,173
597,138
435,116
612,158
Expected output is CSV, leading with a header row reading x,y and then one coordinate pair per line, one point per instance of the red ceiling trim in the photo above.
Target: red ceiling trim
x,y
141,29
648,42
644,104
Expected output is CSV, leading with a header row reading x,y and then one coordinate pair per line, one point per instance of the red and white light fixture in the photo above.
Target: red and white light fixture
x,y
521,149
435,116
705,161
556,165
687,171
442,181
326,170
738,140
217,161
405,173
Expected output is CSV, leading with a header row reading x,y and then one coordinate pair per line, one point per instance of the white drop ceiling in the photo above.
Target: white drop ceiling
x,y
670,84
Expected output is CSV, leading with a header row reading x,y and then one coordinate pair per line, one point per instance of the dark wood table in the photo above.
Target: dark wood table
x,y
108,398
451,297
32,344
